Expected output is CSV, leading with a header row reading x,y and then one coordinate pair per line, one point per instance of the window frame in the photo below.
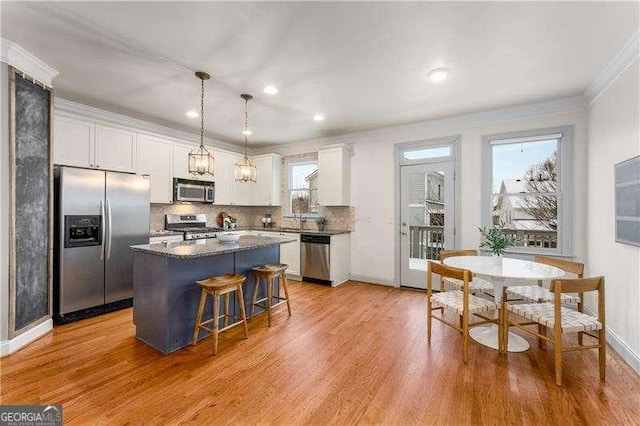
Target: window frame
x,y
288,214
564,192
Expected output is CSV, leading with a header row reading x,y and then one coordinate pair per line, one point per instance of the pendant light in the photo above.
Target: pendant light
x,y
245,170
201,160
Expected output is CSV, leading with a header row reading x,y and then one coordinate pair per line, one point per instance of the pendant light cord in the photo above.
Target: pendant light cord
x,y
202,113
246,125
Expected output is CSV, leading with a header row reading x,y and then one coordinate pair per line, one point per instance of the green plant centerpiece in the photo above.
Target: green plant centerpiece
x,y
321,222
497,240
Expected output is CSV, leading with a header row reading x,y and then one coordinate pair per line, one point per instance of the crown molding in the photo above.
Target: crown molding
x,y
17,57
417,131
618,64
67,108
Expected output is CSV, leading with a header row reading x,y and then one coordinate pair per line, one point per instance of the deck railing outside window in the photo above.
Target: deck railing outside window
x,y
426,242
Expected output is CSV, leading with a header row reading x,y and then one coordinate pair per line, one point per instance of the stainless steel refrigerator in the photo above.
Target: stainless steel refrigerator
x,y
99,214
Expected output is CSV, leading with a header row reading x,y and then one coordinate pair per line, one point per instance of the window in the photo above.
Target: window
x,y
527,188
302,189
425,153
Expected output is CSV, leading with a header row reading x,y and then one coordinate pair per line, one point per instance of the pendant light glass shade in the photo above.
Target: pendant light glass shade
x,y
201,160
245,170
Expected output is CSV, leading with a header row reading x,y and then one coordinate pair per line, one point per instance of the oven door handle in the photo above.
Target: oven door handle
x,y
102,230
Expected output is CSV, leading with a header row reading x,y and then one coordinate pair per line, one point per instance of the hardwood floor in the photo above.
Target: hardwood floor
x,y
353,354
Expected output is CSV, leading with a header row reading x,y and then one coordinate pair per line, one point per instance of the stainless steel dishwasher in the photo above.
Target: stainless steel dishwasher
x,y
315,258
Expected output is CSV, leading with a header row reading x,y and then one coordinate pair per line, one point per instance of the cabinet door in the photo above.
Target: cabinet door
x,y
290,254
262,187
223,166
333,177
154,159
266,191
242,191
181,161
115,149
73,142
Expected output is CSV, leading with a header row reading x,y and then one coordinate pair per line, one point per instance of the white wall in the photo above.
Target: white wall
x,y
614,119
373,185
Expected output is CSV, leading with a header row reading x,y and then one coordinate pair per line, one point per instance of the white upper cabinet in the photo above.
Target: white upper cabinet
x,y
242,191
266,191
223,169
115,149
334,176
181,162
73,142
154,159
228,191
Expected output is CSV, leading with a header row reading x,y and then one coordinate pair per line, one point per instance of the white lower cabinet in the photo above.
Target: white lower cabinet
x,y
340,258
289,252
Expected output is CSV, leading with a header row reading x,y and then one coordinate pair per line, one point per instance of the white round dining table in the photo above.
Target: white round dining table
x,y
498,271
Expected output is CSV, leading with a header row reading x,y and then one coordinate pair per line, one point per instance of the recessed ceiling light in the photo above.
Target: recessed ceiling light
x,y
438,75
247,132
192,114
318,117
270,90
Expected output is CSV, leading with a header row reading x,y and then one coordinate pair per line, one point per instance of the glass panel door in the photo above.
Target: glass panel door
x,y
426,218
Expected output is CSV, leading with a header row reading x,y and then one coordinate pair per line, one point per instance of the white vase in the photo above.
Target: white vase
x,y
497,259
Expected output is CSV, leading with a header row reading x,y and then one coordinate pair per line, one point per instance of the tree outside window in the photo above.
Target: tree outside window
x,y
525,191
303,188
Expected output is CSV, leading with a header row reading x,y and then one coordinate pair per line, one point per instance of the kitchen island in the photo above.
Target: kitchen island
x,y
165,294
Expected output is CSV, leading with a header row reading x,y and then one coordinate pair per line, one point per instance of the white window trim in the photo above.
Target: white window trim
x,y
287,213
565,185
447,142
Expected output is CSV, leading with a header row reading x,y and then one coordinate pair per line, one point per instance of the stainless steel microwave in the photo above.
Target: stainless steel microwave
x,y
193,190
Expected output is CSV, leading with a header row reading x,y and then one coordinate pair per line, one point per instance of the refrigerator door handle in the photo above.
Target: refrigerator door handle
x,y
109,229
102,230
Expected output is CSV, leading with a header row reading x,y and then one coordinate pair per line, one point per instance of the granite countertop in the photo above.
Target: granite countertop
x,y
164,233
292,230
208,247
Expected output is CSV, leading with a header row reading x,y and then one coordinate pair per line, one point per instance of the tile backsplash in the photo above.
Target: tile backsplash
x,y
340,218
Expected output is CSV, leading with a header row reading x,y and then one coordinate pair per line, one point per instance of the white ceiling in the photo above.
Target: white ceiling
x,y
362,64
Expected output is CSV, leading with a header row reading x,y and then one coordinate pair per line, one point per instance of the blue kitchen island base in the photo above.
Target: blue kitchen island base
x,y
165,300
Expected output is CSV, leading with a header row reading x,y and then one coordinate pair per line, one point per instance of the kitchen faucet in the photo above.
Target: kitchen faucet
x,y
302,220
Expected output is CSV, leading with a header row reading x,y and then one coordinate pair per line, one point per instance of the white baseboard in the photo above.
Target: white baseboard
x,y
372,279
7,347
618,345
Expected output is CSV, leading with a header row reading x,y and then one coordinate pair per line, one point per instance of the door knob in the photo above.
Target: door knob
x,y
404,232
404,223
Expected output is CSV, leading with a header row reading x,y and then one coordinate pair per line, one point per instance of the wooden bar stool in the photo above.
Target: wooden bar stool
x,y
269,273
216,287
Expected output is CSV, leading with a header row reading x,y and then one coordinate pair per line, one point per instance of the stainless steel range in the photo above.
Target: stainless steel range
x,y
194,226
